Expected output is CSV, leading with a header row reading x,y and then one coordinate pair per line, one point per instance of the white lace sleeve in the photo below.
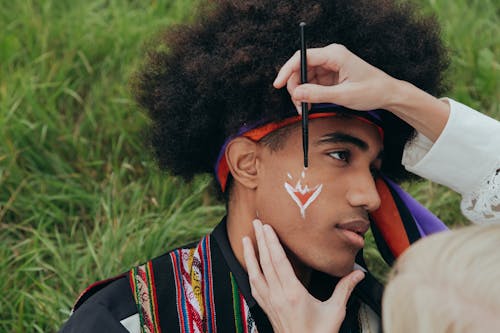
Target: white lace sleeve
x,y
465,158
483,204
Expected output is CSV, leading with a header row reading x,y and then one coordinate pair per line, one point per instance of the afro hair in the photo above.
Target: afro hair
x,y
201,81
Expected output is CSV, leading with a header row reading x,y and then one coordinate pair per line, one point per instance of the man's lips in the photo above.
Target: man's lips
x,y
359,227
354,231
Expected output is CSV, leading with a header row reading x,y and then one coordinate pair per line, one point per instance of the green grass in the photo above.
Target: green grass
x,y
80,198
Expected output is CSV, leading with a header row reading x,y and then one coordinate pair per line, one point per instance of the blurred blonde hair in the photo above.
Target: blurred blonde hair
x,y
449,282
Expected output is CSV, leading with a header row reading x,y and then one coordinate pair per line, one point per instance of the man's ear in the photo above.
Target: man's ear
x,y
241,156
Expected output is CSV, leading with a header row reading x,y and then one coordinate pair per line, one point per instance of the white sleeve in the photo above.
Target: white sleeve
x,y
465,158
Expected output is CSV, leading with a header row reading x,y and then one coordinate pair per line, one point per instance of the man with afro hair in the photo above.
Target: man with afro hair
x,y
208,90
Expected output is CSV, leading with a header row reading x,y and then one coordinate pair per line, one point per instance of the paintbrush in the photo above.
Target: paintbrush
x,y
303,79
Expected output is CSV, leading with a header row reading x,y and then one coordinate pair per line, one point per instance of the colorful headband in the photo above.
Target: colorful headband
x,y
259,130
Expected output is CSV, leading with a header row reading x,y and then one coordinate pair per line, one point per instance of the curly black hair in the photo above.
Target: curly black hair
x,y
201,81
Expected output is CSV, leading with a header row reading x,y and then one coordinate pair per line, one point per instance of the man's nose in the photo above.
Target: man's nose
x,y
363,192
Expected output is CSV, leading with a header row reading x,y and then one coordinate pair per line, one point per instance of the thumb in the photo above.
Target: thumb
x,y
345,287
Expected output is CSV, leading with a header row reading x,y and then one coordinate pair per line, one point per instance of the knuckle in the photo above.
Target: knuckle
x,y
337,47
341,52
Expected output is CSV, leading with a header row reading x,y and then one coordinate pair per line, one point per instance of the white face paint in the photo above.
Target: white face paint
x,y
303,196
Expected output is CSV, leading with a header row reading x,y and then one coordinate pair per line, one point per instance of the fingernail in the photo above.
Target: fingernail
x,y
257,223
298,106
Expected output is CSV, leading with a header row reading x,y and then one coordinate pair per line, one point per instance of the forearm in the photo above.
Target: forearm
x,y
424,112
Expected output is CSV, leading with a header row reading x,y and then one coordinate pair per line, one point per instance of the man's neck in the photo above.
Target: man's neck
x,y
240,214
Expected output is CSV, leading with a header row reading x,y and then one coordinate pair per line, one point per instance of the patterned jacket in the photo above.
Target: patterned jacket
x,y
200,288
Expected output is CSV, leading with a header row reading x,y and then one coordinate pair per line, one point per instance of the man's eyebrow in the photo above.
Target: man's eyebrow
x,y
339,137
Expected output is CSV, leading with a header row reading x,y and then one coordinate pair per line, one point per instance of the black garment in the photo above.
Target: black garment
x,y
103,309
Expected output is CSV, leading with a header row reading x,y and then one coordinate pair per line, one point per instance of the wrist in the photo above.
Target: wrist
x,y
424,112
401,93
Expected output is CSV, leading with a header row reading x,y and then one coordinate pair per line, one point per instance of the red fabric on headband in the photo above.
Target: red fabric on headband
x,y
389,221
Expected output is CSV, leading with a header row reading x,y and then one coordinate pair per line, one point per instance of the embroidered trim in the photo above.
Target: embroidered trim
x,y
236,306
243,320
144,291
192,275
207,284
179,293
194,288
189,309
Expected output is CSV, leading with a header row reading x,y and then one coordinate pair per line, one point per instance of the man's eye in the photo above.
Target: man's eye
x,y
340,155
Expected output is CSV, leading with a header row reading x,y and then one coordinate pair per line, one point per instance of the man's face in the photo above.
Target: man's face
x,y
320,225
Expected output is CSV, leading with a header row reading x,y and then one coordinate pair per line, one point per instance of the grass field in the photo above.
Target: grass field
x,y
80,197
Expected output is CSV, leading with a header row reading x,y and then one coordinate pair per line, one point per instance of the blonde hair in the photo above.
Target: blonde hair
x,y
449,282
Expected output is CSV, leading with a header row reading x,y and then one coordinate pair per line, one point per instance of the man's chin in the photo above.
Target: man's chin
x,y
338,269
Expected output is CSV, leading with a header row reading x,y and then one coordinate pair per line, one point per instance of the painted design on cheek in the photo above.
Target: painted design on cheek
x,y
303,196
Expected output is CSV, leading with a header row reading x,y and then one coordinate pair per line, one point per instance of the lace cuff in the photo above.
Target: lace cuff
x,y
483,205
